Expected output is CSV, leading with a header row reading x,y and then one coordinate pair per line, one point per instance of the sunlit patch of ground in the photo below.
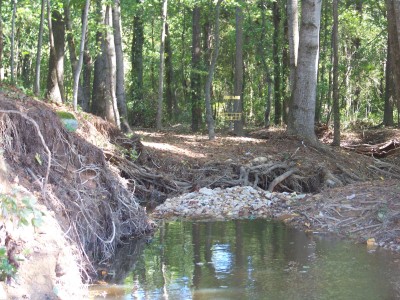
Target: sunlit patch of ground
x,y
173,149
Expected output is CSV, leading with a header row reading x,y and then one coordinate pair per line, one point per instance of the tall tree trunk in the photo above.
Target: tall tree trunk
x,y
14,13
304,93
267,72
70,36
277,67
393,18
161,69
36,85
59,45
169,75
335,75
53,89
1,42
389,94
195,78
323,94
137,60
78,65
87,77
104,102
120,73
211,69
293,34
112,66
238,87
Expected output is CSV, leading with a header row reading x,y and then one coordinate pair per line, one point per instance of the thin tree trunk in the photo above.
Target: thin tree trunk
x,y
238,87
195,78
293,33
1,42
120,73
267,72
169,75
335,75
304,94
59,45
14,13
87,76
137,62
214,57
78,68
70,36
161,69
389,95
277,68
36,85
393,20
53,90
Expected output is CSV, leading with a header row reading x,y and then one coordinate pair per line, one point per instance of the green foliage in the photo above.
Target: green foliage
x,y
21,212
7,270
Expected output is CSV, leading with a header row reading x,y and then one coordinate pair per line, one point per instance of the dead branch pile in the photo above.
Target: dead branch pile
x,y
93,203
363,211
378,150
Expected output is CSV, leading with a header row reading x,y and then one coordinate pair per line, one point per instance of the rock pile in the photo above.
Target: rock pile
x,y
231,203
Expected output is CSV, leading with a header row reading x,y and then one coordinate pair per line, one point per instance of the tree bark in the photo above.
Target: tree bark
x,y
335,75
266,70
195,77
393,20
59,45
161,68
14,13
293,34
304,93
169,76
120,73
137,61
277,67
53,89
214,57
238,125
36,85
1,42
389,93
78,66
104,102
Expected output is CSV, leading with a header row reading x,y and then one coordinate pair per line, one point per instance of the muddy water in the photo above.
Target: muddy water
x,y
251,260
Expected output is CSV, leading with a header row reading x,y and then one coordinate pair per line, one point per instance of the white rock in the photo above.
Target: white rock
x,y
206,191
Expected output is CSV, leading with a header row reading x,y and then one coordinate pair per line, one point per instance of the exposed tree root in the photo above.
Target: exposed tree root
x,y
92,201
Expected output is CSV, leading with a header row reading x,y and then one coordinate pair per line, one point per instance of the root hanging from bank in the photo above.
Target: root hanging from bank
x,y
93,203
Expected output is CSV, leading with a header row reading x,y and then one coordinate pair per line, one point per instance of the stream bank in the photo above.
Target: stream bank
x,y
99,180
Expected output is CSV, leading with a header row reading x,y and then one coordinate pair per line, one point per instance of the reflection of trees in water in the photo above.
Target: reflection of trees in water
x,y
124,260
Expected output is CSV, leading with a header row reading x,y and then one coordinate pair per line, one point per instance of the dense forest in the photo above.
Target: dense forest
x,y
158,63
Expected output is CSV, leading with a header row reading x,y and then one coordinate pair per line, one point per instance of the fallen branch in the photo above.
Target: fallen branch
x,y
281,178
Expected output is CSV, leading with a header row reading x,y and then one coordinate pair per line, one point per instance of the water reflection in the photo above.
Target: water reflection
x,y
256,260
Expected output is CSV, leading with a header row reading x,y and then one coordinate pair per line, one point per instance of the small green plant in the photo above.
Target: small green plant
x,y
22,213
134,155
7,270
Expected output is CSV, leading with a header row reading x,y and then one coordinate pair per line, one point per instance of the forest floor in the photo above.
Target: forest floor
x,y
98,176
348,190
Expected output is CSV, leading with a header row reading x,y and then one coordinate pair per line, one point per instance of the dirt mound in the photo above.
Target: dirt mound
x,y
92,202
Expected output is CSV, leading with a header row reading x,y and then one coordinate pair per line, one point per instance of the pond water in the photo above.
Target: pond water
x,y
252,259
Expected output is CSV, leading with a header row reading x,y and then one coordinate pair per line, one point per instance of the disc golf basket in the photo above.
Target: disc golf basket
x,y
230,109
